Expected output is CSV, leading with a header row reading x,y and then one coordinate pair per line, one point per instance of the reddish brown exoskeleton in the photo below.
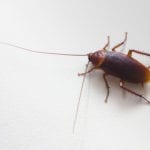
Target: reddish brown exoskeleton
x,y
117,64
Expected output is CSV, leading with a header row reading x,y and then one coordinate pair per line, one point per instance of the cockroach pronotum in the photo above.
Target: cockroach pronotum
x,y
114,63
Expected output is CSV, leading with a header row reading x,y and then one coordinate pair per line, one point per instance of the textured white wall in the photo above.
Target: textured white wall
x,y
38,93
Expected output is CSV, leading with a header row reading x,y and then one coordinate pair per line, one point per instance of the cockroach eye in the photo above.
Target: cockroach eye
x,y
90,56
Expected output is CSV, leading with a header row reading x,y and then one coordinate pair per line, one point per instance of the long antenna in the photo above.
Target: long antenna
x,y
34,51
79,100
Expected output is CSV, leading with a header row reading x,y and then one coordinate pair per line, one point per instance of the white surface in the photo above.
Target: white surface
x,y
38,93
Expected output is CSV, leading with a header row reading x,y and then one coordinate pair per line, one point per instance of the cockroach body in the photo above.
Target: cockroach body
x,y
120,65
117,64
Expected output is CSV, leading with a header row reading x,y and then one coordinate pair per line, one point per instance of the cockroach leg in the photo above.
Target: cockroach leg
x,y
132,92
120,44
82,74
107,86
107,44
136,51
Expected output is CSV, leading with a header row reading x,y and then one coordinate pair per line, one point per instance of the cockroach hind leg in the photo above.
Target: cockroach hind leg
x,y
136,51
132,92
120,44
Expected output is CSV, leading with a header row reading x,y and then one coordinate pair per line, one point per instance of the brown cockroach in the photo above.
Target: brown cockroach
x,y
117,64
114,63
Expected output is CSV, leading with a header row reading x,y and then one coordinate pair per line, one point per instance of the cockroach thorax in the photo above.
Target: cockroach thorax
x,y
97,57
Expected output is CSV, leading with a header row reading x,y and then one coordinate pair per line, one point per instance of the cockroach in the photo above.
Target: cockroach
x,y
117,64
113,63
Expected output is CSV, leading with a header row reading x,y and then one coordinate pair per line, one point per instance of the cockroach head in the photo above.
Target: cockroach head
x,y
97,57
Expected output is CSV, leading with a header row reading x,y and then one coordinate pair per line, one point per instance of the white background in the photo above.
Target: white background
x,y
39,93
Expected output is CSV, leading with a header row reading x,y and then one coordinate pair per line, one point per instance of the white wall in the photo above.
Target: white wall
x,y
39,93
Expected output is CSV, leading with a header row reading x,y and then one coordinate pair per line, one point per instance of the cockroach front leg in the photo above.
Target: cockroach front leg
x,y
132,92
120,44
107,86
136,51
107,44
82,74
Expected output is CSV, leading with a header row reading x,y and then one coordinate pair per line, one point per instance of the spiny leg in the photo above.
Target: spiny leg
x,y
82,74
107,86
132,92
120,44
107,44
136,51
